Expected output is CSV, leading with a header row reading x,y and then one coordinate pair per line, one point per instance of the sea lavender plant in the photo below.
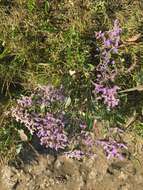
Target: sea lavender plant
x,y
48,127
82,139
112,149
106,69
46,95
85,136
87,139
109,95
110,44
51,132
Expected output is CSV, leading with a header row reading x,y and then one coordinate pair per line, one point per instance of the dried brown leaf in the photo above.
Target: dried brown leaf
x,y
134,38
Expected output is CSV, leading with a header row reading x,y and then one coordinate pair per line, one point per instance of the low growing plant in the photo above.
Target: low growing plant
x,y
43,113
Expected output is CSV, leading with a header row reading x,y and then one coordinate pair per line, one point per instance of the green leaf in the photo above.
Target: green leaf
x,y
31,5
47,5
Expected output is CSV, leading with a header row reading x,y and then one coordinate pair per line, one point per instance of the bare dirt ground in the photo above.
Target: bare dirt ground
x,y
34,171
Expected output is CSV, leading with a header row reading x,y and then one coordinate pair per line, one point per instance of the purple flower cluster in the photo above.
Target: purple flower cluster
x,y
25,101
111,38
20,114
47,127
51,132
112,148
85,139
85,136
109,95
77,154
46,95
50,128
110,45
106,69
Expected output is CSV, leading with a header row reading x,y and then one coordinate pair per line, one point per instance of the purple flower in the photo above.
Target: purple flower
x,y
86,138
46,95
51,132
47,127
77,154
112,149
25,101
106,72
109,95
83,126
107,43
